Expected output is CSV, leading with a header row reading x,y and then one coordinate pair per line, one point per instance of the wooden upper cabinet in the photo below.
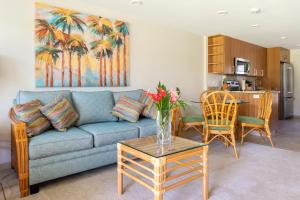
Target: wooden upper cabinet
x,y
222,50
284,55
275,56
219,55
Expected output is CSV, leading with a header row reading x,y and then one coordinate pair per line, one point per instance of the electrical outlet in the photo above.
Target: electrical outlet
x,y
256,96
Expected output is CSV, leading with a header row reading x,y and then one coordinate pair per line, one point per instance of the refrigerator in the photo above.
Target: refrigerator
x,y
287,91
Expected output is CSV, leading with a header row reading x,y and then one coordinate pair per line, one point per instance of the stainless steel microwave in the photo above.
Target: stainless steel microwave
x,y
242,66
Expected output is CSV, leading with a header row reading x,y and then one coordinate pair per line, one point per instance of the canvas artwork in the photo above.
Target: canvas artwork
x,y
79,50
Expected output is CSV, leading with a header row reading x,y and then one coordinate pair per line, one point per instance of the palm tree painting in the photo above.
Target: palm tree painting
x,y
79,50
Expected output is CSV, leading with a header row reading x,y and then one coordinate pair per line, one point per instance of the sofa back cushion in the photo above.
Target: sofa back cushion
x,y
44,96
133,94
94,107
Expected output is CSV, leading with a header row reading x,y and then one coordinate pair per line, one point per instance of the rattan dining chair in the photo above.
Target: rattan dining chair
x,y
190,122
261,122
219,111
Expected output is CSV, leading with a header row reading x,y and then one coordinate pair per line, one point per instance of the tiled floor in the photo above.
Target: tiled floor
x,y
286,135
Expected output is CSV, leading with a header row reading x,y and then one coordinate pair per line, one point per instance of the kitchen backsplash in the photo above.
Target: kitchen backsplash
x,y
216,80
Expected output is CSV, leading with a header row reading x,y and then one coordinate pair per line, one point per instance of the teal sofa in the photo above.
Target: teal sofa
x,y
90,144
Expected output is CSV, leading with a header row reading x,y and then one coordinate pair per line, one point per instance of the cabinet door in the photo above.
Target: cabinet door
x,y
244,108
254,99
284,55
252,51
228,59
261,61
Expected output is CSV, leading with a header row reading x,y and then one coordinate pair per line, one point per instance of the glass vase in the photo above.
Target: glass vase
x,y
163,121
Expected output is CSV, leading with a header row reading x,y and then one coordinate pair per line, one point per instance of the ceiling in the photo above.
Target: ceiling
x,y
277,18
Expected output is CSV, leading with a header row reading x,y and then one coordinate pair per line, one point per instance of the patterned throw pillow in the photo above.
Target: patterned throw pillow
x,y
30,114
128,109
150,107
61,113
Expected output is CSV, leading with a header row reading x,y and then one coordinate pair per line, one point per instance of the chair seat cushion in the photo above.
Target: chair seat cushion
x,y
106,133
218,128
251,120
146,126
53,142
191,119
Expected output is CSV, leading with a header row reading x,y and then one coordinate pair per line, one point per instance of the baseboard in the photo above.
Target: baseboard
x,y
4,166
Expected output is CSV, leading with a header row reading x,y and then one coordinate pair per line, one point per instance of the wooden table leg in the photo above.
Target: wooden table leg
x,y
205,173
159,177
120,168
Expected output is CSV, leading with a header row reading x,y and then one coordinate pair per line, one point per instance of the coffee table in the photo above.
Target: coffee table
x,y
162,168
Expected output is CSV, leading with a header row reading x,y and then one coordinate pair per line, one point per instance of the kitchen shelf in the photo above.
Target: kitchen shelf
x,y
215,54
215,63
214,45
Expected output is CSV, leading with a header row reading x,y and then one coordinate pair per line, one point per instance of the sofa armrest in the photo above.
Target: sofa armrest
x,y
19,151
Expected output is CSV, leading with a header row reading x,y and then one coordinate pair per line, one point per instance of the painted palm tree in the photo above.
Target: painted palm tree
x,y
76,45
102,50
48,56
68,20
117,39
45,32
110,54
123,29
61,40
101,28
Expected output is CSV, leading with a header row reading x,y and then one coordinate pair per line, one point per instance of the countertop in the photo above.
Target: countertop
x,y
255,92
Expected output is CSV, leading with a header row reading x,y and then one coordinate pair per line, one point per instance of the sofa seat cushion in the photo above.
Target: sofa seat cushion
x,y
53,142
44,96
146,126
94,107
106,133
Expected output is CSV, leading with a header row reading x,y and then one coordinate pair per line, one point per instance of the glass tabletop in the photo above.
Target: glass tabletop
x,y
148,145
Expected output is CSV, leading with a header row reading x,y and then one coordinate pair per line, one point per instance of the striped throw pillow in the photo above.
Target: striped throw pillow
x,y
150,110
29,113
128,109
61,113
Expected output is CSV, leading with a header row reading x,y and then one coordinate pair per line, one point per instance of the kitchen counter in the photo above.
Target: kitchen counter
x,y
254,92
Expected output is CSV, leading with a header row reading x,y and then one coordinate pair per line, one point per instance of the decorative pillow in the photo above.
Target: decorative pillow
x,y
128,109
61,113
150,107
30,113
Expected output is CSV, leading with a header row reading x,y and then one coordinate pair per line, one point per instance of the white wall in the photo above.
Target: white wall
x,y
156,53
295,60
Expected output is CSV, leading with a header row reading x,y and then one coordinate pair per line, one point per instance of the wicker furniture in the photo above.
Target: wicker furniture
x,y
145,162
261,122
91,144
219,110
187,122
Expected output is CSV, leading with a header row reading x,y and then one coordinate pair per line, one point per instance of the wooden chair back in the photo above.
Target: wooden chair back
x,y
176,117
265,106
219,109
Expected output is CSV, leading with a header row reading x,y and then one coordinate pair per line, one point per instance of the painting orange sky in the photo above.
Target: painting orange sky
x,y
79,50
